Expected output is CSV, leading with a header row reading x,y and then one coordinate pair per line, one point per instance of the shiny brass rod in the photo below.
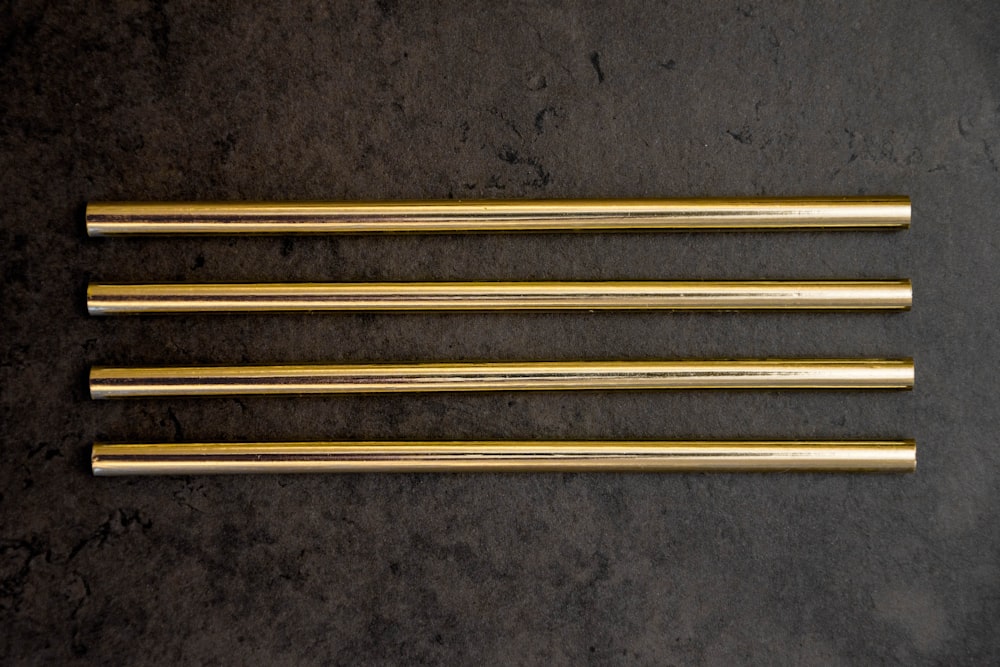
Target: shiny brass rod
x,y
132,218
110,299
504,456
421,377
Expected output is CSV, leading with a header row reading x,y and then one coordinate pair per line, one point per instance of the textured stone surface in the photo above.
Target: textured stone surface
x,y
181,99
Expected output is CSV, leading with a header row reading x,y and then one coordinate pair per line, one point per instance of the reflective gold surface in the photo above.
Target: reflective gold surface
x,y
126,218
368,378
105,299
638,456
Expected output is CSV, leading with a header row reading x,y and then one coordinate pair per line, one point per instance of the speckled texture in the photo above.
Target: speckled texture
x,y
385,100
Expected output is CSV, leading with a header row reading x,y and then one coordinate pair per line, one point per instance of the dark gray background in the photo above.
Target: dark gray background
x,y
388,100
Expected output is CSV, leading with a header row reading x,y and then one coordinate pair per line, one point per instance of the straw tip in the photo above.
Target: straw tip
x,y
92,307
92,384
94,216
89,212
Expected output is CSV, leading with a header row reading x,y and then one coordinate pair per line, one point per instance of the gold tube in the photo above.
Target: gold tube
x,y
504,456
105,299
421,377
131,218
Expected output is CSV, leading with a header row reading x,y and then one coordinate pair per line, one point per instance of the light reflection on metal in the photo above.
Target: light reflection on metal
x,y
504,456
113,299
185,218
489,376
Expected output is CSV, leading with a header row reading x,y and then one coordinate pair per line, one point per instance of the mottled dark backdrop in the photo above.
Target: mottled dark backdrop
x,y
386,100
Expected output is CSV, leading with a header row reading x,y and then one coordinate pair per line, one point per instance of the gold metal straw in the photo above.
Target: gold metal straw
x,y
421,377
504,456
131,218
108,299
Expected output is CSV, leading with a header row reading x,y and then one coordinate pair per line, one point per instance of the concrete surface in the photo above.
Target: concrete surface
x,y
388,100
